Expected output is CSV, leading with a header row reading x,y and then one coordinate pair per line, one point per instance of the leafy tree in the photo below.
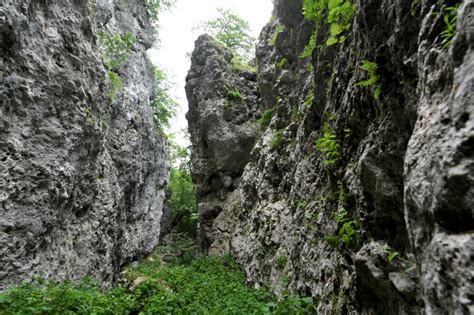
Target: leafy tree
x,y
232,31
154,7
164,106
183,193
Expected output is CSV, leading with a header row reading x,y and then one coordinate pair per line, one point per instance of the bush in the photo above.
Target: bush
x,y
329,145
164,106
373,78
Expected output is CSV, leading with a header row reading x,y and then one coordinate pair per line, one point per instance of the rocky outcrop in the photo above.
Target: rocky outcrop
x,y
223,104
82,171
358,194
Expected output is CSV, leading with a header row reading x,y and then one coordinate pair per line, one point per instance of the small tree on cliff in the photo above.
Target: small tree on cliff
x,y
232,31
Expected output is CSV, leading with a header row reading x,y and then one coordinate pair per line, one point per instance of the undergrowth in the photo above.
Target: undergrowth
x,y
203,285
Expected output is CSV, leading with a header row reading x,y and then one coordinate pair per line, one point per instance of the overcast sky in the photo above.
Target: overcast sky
x,y
177,38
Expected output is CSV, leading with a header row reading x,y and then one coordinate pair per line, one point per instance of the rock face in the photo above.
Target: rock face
x,y
81,175
363,201
223,104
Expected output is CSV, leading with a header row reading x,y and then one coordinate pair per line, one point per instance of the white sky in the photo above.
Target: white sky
x,y
177,39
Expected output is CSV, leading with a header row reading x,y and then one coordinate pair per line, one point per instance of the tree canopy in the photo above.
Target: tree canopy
x,y
232,31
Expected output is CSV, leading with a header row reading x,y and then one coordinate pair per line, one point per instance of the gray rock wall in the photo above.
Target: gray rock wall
x,y
81,176
403,177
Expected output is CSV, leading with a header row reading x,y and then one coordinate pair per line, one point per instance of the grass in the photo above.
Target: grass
x,y
199,285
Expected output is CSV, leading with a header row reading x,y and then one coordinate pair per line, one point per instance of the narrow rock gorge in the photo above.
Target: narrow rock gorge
x,y
82,166
342,168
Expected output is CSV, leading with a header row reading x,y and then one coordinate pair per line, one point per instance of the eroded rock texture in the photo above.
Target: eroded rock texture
x,y
404,174
81,176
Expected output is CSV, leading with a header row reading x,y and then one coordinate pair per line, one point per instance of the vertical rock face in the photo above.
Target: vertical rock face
x,y
81,175
384,225
223,104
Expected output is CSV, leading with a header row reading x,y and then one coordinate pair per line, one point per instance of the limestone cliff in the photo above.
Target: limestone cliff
x,y
82,169
359,189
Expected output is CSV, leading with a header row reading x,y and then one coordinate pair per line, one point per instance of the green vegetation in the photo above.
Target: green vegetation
x,y
183,192
116,85
373,78
204,285
348,234
279,28
329,145
237,63
282,63
116,49
415,5
281,261
266,118
234,94
391,253
154,7
232,31
339,15
450,17
163,105
309,101
278,138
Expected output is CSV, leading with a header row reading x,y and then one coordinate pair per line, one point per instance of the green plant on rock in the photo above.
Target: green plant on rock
x,y
278,138
329,145
116,85
391,253
339,15
282,63
278,29
266,117
373,78
450,17
348,234
309,101
281,261
116,48
237,63
234,94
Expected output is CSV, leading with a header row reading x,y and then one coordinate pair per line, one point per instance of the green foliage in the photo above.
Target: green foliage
x,y
234,94
339,15
309,101
391,253
278,137
183,192
450,17
282,63
84,297
295,113
154,7
237,63
232,31
348,234
415,5
279,28
204,285
116,48
266,118
281,261
329,145
373,78
116,85
163,105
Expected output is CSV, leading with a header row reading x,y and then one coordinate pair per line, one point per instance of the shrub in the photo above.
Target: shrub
x,y
373,78
282,63
237,63
266,118
348,234
234,94
116,85
329,145
154,7
163,105
116,48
